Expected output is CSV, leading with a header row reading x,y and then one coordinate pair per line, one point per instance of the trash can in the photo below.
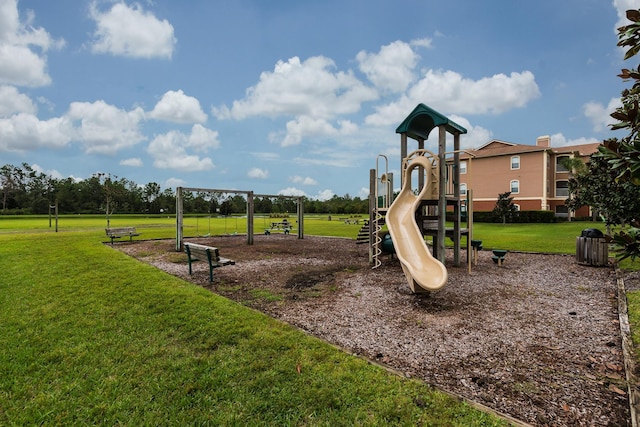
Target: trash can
x,y
592,248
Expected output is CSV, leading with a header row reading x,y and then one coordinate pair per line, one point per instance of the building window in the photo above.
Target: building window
x,y
559,164
517,206
463,189
515,186
463,167
562,188
515,162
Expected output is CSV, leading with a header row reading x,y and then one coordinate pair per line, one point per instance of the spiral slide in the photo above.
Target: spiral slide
x,y
424,273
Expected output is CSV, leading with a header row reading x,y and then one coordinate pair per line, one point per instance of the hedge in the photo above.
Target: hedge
x,y
519,217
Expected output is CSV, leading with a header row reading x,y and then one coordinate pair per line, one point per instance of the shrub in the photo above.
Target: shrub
x,y
519,217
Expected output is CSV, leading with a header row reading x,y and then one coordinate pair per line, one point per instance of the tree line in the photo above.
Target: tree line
x,y
25,190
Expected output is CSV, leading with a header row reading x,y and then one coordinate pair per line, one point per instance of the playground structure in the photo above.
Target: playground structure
x,y
250,211
411,218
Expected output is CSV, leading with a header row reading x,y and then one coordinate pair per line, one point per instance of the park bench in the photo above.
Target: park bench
x,y
117,233
196,252
284,226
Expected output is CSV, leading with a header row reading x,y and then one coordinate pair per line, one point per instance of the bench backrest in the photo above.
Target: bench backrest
x,y
200,251
120,230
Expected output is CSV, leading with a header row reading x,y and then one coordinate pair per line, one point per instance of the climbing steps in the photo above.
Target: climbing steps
x,y
363,234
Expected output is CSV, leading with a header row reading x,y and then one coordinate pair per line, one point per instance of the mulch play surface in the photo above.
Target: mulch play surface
x,y
537,339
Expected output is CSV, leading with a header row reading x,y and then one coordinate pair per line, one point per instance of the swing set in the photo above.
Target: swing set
x,y
227,227
250,212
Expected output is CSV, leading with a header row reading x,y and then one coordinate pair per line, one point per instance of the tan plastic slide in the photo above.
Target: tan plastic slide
x,y
424,273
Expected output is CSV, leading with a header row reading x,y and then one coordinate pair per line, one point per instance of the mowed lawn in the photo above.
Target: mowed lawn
x,y
92,337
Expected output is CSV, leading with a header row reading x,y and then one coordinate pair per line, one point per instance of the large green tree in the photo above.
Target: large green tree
x,y
623,156
595,185
12,182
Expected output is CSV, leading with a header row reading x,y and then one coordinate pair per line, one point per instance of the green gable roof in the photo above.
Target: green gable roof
x,y
422,120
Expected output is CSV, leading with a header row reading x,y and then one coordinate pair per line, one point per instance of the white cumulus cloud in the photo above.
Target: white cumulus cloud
x,y
131,31
177,107
621,7
258,173
392,68
51,172
174,182
292,191
202,138
309,127
297,88
476,136
12,101
172,149
324,195
303,180
449,92
600,115
25,132
20,64
425,42
133,162
559,140
104,128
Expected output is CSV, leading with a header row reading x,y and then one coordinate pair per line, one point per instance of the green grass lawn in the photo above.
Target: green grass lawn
x,y
547,238
550,238
93,337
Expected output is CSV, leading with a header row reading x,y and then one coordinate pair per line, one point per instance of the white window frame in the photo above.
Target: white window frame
x,y
463,189
517,186
512,161
463,167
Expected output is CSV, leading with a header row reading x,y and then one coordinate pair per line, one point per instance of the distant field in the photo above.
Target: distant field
x,y
550,238
547,238
164,226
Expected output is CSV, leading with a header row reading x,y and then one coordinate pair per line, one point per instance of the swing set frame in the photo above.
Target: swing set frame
x,y
250,211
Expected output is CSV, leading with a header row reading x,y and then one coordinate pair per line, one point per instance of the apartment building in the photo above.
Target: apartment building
x,y
532,173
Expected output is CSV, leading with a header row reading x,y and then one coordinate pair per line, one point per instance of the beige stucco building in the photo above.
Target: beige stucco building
x,y
532,173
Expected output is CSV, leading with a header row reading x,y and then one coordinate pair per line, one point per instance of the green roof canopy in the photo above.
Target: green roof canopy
x,y
422,120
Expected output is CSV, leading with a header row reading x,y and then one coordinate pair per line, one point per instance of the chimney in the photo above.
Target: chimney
x,y
543,141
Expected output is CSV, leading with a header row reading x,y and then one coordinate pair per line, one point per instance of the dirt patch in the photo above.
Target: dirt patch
x,y
537,339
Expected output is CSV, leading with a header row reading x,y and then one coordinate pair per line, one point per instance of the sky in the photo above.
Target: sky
x,y
293,97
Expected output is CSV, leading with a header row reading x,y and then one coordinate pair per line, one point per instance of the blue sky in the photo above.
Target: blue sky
x,y
292,97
